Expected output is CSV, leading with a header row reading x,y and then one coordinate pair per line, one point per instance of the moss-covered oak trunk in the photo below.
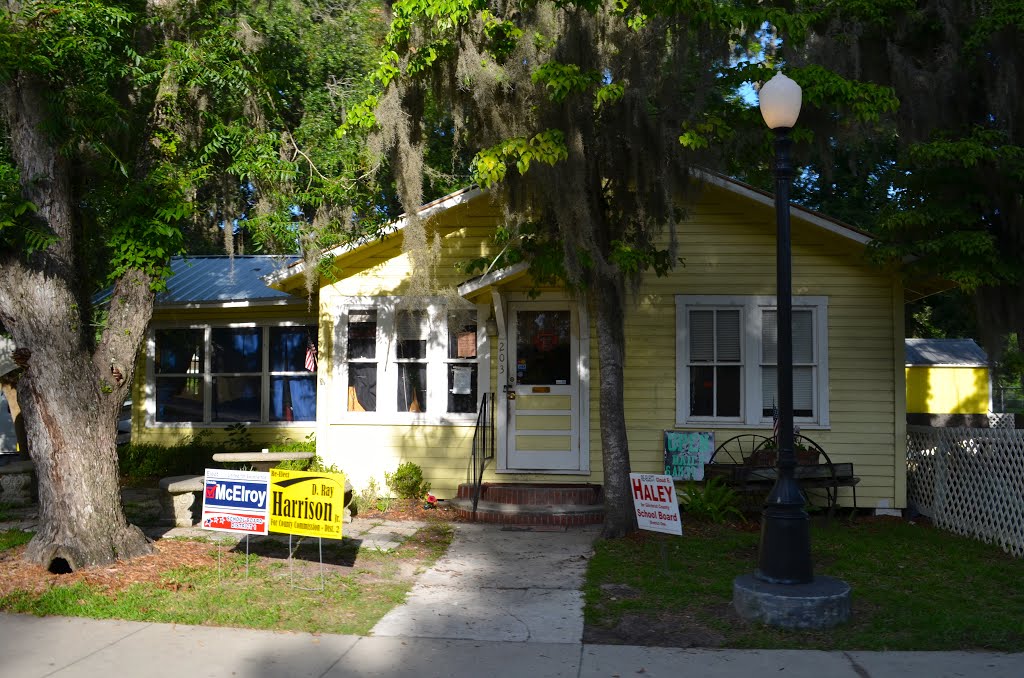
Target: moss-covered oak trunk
x,y
73,385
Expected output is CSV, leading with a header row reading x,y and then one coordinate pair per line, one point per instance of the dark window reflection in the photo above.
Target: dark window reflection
x,y
237,349
293,398
462,392
236,398
412,387
179,399
180,351
362,387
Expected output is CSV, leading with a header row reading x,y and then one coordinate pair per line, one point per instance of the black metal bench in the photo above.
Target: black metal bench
x,y
746,463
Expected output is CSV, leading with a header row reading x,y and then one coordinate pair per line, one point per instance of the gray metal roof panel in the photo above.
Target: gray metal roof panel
x,y
951,352
222,279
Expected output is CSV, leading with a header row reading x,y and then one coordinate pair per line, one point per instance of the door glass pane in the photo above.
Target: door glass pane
x,y
236,398
237,349
543,347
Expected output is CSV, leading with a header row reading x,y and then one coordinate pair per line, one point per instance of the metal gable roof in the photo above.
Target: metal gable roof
x,y
217,280
222,279
944,352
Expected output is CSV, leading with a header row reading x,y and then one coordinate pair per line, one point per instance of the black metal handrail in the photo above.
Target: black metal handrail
x,y
483,445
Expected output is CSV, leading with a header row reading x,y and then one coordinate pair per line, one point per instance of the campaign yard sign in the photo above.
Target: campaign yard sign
x,y
307,503
236,501
654,498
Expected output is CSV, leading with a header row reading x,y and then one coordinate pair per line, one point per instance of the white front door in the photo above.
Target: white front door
x,y
543,387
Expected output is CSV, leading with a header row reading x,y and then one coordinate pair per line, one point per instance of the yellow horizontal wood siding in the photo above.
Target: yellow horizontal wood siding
x,y
728,248
370,451
947,390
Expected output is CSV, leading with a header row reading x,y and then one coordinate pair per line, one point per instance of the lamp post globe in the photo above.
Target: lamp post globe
x,y
784,555
779,100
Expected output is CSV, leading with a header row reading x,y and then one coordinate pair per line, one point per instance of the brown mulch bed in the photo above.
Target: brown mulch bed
x,y
16,574
168,554
411,509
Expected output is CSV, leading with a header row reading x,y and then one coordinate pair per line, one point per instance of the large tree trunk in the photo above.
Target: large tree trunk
x,y
70,393
619,517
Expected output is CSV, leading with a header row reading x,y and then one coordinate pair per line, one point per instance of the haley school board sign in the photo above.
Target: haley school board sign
x,y
654,498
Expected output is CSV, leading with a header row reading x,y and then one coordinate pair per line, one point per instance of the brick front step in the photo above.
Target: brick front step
x,y
532,504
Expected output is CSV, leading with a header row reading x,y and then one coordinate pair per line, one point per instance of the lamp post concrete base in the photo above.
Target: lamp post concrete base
x,y
820,604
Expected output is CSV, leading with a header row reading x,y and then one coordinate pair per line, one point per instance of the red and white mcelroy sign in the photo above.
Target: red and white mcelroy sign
x,y
654,498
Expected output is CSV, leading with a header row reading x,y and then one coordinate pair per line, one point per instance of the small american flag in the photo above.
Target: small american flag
x,y
775,424
310,355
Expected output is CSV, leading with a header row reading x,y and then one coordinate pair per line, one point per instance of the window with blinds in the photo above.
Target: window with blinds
x,y
716,362
804,362
727,360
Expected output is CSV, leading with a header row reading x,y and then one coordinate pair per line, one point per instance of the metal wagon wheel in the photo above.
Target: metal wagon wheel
x,y
737,449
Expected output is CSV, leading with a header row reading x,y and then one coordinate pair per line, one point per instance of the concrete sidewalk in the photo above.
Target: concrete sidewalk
x,y
499,584
60,647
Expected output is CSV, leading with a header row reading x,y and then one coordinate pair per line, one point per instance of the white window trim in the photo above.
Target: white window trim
x,y
149,389
387,388
750,384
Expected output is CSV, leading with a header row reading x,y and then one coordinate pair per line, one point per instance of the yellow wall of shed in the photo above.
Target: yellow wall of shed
x,y
947,390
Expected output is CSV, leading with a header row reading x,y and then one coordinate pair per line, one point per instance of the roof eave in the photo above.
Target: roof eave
x,y
442,204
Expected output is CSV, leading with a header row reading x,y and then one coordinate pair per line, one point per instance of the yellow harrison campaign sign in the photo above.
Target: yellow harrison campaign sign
x,y
307,503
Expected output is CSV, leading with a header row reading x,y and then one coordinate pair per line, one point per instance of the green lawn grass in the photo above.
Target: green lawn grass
x,y
914,587
264,598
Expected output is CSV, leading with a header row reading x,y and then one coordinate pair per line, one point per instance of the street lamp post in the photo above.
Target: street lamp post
x,y
785,549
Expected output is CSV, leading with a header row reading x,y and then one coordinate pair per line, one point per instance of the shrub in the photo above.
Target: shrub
x,y
714,501
148,460
407,481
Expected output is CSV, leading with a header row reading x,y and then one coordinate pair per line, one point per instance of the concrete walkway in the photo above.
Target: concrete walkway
x,y
499,585
502,604
59,647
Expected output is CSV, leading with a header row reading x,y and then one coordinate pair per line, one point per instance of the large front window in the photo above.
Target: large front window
x,y
251,374
411,362
727,369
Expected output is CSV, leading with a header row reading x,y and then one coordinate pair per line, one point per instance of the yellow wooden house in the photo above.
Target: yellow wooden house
x,y
403,378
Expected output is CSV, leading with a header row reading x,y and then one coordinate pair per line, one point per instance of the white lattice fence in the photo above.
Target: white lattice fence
x,y
969,481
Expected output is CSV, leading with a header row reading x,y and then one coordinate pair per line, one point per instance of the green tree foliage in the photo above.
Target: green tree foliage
x,y
133,130
940,176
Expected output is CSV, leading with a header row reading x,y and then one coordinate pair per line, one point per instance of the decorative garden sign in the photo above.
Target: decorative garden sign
x,y
686,452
